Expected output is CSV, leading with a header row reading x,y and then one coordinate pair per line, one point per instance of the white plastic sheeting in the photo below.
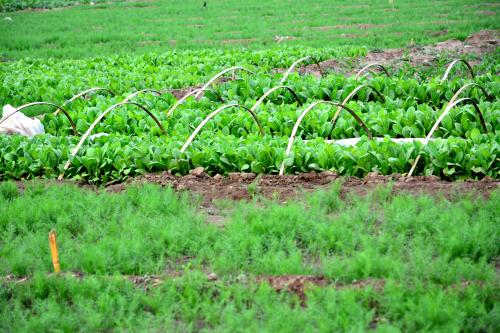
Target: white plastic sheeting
x,y
13,122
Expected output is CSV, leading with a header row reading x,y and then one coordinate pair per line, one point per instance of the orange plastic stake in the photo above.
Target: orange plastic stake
x,y
53,251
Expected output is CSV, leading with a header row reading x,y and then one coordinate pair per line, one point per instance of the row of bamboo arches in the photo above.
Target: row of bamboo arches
x,y
252,111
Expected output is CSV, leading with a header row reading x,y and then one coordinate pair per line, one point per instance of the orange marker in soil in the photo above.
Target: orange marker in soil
x,y
53,251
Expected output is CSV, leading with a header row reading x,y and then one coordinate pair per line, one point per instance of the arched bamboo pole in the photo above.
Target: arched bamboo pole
x,y
367,67
83,93
270,91
179,102
452,64
94,124
441,117
465,86
213,114
135,93
290,69
216,76
351,95
75,132
301,117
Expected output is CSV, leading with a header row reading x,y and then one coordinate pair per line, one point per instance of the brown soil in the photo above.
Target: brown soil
x,y
179,93
236,185
295,284
485,41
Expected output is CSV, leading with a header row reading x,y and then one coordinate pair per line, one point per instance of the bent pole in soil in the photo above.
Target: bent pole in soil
x,y
197,91
352,94
88,91
465,86
94,124
441,117
301,117
270,91
452,64
290,69
143,91
213,114
216,76
369,66
22,107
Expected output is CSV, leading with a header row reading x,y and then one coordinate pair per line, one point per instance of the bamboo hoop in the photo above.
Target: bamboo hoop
x,y
465,86
94,124
213,114
367,67
83,93
216,76
179,102
270,91
22,107
301,117
351,95
452,64
441,117
290,69
135,93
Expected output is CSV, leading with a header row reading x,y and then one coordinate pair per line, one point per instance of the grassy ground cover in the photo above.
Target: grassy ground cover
x,y
139,27
431,261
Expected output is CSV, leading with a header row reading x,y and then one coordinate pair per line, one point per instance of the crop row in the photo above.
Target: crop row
x,y
31,80
117,157
386,107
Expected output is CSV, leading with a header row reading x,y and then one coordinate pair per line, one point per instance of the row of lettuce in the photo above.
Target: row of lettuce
x,y
117,157
31,80
389,106
393,118
401,106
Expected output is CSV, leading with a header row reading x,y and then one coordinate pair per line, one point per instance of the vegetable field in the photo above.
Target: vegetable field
x,y
253,118
249,166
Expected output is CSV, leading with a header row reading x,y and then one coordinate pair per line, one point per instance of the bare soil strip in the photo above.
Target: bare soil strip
x,y
247,186
236,185
294,284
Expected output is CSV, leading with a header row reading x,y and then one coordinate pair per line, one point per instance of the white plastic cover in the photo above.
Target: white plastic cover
x,y
18,123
